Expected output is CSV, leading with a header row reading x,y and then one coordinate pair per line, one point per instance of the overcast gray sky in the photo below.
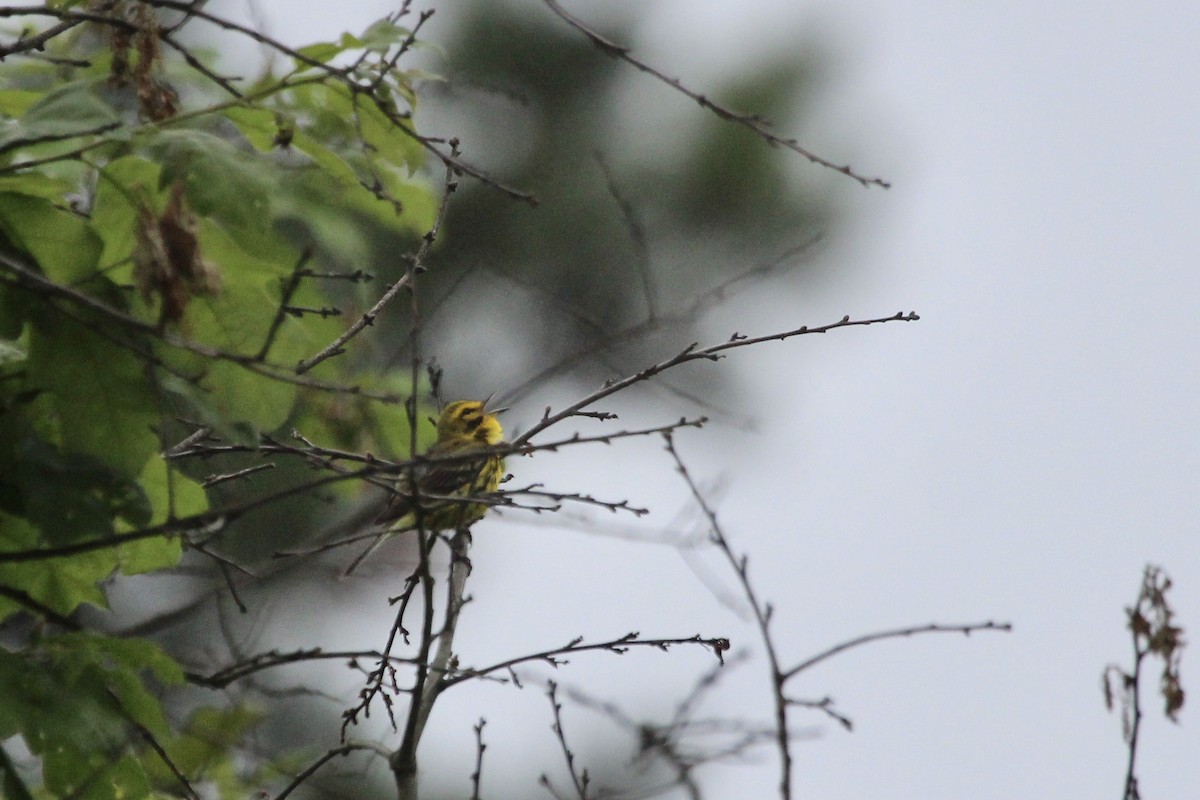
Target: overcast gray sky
x,y
1017,455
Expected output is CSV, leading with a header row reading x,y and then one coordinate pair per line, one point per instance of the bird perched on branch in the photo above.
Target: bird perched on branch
x,y
445,484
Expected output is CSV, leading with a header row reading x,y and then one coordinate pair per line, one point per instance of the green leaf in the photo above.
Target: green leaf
x,y
115,208
36,184
383,33
321,190
141,654
223,182
392,139
148,555
63,710
123,661
61,584
262,403
210,733
72,497
14,705
321,51
354,126
171,494
123,779
72,698
74,109
15,102
239,319
13,305
327,51
65,245
260,126
105,405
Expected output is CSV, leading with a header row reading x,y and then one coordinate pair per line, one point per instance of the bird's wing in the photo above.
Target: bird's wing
x,y
437,479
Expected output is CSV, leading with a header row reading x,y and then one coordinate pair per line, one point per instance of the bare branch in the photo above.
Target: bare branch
x,y
285,297
579,780
342,750
213,480
274,658
619,646
680,318
751,121
417,266
897,633
375,678
16,144
192,9
694,352
762,619
69,18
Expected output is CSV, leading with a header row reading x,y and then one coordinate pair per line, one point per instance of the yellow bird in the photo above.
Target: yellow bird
x,y
463,427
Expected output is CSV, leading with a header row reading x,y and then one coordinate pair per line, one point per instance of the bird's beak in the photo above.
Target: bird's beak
x,y
488,402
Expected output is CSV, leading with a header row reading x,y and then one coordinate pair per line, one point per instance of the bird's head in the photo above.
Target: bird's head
x,y
469,419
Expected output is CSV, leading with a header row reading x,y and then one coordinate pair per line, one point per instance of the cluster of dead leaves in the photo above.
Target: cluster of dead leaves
x,y
167,262
157,99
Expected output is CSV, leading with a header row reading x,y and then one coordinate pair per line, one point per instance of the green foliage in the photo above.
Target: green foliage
x,y
204,744
66,247
60,114
99,394
82,703
146,256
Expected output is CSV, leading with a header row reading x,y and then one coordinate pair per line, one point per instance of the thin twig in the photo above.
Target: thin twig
x,y
580,780
477,775
387,66
150,739
897,633
685,316
198,65
16,144
619,646
762,618
342,750
637,237
417,266
69,18
274,658
285,297
213,480
750,121
193,9
694,352
374,686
